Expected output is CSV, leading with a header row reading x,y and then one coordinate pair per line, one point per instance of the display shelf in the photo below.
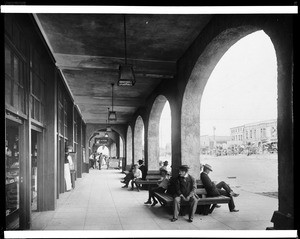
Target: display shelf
x,y
8,184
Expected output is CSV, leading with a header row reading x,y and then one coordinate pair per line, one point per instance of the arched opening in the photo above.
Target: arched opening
x,y
238,116
159,133
121,152
190,113
104,150
165,153
139,139
110,140
129,146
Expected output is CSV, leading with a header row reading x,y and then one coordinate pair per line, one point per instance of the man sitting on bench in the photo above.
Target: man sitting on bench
x,y
137,174
185,190
128,177
161,188
221,188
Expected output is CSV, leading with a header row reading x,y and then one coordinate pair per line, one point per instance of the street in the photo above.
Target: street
x,y
254,173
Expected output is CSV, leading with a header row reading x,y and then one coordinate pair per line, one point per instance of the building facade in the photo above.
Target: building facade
x,y
257,133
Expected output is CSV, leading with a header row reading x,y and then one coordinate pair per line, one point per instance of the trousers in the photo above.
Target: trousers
x,y
192,209
155,189
225,190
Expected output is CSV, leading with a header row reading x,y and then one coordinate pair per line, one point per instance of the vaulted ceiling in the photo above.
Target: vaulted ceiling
x,y
88,49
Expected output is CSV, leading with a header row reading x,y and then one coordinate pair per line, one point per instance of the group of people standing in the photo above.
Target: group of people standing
x,y
98,160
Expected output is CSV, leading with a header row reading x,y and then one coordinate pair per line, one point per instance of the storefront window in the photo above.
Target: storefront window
x,y
8,75
37,88
12,171
34,165
14,81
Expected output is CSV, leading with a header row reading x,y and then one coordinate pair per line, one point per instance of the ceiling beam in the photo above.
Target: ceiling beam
x,y
142,67
103,100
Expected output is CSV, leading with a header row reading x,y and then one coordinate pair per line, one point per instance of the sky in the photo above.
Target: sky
x,y
241,89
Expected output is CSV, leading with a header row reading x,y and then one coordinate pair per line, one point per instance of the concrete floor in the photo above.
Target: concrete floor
x,y
99,203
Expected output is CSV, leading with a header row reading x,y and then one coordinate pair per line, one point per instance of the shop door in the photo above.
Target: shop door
x,y
12,173
61,163
35,168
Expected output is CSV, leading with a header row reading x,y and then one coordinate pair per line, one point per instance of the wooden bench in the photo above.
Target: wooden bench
x,y
167,200
151,178
153,172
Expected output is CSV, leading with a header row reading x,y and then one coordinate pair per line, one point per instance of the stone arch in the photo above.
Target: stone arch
x,y
114,136
138,140
153,132
190,111
129,146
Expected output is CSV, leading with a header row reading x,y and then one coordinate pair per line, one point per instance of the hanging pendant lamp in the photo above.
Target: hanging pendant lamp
x,y
112,115
126,73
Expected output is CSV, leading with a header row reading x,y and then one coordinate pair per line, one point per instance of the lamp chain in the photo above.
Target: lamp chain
x,y
125,40
112,96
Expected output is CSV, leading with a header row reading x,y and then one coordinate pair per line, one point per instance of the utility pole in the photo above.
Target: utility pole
x,y
214,129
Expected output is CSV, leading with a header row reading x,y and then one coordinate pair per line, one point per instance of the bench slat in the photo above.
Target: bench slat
x,y
153,177
153,172
168,199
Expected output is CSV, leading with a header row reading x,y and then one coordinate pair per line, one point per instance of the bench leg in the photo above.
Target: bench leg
x,y
206,209
212,208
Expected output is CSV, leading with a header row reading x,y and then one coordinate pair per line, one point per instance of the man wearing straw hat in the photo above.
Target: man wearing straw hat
x,y
185,190
221,188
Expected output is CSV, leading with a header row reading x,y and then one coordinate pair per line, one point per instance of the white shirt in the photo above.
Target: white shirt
x,y
164,182
137,173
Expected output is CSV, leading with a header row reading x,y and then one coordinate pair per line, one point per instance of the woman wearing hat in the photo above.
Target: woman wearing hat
x,y
221,188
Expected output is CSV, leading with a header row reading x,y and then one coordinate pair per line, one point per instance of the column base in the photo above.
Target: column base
x,y
282,221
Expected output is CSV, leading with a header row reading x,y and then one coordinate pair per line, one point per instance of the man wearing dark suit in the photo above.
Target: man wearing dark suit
x,y
221,188
142,167
185,190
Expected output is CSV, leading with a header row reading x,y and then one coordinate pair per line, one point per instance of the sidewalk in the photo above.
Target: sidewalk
x,y
99,203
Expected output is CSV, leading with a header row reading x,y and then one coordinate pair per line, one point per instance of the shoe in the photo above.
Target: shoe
x,y
123,181
218,206
138,189
154,203
148,202
125,186
131,189
234,194
190,220
234,210
174,219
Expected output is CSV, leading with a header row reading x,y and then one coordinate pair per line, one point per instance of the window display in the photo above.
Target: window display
x,y
34,163
12,171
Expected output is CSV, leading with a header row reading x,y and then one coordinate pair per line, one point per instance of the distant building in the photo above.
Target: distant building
x,y
254,133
